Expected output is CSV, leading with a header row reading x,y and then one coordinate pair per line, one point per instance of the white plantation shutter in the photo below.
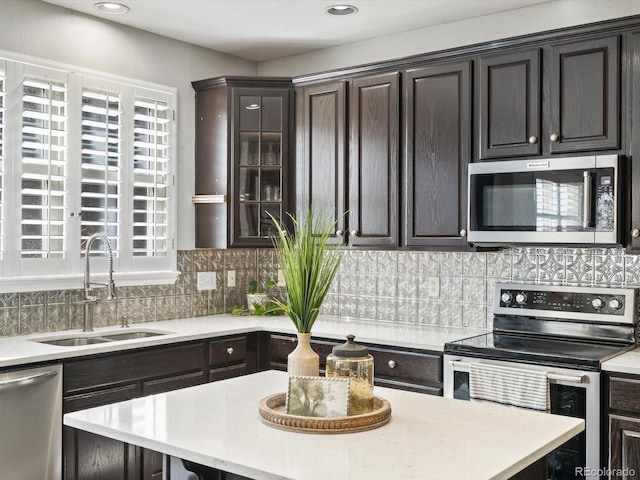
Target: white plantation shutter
x,y
151,177
101,167
84,153
43,168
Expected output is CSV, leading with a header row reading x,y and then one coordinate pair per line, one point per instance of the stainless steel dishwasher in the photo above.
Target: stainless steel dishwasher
x,y
31,423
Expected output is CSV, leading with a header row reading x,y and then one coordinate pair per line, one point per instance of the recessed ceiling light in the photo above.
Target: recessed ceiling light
x,y
109,7
341,10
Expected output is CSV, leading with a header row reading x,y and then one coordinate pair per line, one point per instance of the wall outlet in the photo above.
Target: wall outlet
x,y
434,286
206,281
281,279
231,278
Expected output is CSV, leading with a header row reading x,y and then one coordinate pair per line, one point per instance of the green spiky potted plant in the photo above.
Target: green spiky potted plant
x,y
309,262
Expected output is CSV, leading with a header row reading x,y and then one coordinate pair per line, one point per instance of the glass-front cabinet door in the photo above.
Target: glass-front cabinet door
x,y
261,127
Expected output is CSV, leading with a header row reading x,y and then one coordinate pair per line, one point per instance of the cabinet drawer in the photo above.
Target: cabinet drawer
x,y
228,351
228,372
133,366
173,383
98,398
411,367
624,394
280,347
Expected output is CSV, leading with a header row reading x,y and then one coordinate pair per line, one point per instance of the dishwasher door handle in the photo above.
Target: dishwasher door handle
x,y
28,380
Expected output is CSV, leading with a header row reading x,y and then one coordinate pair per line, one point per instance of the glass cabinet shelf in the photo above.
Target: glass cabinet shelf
x,y
259,164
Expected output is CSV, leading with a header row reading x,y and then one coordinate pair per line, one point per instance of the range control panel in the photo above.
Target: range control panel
x,y
565,301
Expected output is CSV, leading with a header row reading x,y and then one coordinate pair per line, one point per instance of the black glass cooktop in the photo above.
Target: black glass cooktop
x,y
536,350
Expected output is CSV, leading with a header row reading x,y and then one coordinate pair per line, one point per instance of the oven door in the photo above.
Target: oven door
x,y
574,393
547,201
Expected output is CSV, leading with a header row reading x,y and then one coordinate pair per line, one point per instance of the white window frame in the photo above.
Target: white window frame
x,y
35,274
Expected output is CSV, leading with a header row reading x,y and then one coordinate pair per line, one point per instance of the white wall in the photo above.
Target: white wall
x,y
42,30
546,16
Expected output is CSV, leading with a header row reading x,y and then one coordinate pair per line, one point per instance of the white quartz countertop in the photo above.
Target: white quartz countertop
x,y
23,350
626,363
218,425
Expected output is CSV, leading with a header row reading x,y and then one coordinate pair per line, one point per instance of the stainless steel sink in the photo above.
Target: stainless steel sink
x,y
74,341
131,335
78,340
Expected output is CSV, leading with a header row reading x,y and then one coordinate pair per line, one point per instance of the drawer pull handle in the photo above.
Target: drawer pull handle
x,y
230,351
392,364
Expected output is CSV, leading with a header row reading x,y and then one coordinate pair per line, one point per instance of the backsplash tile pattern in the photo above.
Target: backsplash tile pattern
x,y
376,286
466,281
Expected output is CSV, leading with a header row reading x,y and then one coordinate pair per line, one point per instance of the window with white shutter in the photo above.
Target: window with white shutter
x,y
84,153
101,165
151,177
44,168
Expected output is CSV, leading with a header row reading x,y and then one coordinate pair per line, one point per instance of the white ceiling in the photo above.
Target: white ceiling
x,y
261,30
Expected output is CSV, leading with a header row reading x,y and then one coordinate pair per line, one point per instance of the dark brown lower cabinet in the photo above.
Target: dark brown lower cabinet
x,y
233,356
114,377
624,426
394,367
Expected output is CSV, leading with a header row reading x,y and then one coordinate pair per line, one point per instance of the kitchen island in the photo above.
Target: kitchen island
x,y
217,425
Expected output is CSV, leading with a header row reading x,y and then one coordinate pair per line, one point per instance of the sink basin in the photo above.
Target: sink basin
x,y
78,340
74,341
131,335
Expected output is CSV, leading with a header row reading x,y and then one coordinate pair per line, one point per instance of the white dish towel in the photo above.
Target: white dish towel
x,y
510,386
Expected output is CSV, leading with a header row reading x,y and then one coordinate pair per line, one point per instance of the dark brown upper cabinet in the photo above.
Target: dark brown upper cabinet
x,y
584,96
437,118
558,98
510,92
242,159
374,160
354,170
321,142
633,232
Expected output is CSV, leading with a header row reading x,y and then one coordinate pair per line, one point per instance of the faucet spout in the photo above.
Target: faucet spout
x,y
90,301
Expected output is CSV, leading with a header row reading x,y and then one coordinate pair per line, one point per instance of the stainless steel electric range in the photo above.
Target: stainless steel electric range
x,y
565,332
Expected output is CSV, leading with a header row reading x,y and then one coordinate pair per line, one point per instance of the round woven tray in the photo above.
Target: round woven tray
x,y
272,413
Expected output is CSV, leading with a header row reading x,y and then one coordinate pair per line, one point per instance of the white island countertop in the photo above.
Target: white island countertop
x,y
218,425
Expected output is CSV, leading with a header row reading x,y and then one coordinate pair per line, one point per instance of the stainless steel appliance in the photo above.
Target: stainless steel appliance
x,y
31,423
554,201
565,332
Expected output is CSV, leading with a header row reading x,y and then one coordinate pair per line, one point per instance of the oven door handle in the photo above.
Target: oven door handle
x,y
464,367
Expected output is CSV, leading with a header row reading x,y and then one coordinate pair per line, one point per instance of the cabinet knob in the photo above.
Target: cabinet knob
x,y
392,363
230,351
339,233
463,233
354,233
533,139
554,137
635,233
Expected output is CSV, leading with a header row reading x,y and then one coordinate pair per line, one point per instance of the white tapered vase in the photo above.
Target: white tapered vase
x,y
303,361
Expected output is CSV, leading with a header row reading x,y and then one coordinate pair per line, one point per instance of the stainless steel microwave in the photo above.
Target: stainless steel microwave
x,y
551,201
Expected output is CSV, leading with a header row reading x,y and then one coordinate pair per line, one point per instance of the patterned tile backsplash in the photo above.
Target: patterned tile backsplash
x,y
376,286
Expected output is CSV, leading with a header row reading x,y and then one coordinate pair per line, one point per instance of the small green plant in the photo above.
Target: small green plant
x,y
260,310
254,286
309,263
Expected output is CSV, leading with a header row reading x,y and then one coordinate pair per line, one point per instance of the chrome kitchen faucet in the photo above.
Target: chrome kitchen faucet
x,y
90,301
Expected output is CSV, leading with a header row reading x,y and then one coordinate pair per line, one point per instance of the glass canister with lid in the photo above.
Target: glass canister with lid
x,y
353,361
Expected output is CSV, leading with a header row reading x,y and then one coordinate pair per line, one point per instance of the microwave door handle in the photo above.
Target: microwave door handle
x,y
587,214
